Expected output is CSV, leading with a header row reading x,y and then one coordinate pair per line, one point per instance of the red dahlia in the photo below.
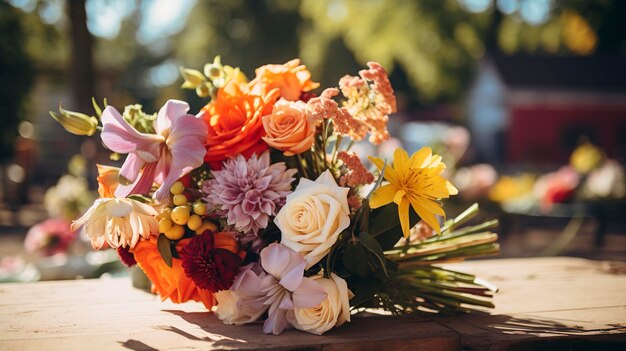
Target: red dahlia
x,y
209,267
127,258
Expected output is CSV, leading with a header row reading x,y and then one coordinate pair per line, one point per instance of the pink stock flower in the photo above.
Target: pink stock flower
x,y
250,191
357,173
175,150
280,287
370,100
49,237
324,107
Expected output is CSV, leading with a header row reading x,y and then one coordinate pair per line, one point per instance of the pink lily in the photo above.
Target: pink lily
x,y
278,288
175,150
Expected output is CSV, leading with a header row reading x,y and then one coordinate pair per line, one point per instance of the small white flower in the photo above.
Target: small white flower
x,y
119,222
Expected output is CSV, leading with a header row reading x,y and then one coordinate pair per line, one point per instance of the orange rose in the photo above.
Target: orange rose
x,y
235,125
169,282
291,79
289,127
107,180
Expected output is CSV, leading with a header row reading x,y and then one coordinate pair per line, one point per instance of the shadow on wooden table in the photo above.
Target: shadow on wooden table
x,y
484,331
364,333
475,331
132,344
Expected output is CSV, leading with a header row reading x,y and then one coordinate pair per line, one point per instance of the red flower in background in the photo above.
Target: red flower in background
x,y
49,237
556,187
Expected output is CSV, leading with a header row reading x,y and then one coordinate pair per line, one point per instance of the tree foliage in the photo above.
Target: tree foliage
x,y
15,75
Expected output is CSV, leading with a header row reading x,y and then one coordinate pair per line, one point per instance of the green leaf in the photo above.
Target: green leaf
x,y
174,242
371,245
332,254
364,289
96,107
468,214
355,259
365,215
139,198
385,225
165,249
384,219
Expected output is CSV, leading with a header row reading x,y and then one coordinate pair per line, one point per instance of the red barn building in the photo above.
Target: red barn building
x,y
536,109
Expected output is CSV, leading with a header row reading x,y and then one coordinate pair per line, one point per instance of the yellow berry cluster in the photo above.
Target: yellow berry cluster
x,y
172,221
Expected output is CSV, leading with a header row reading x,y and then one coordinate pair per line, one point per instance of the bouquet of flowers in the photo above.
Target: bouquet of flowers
x,y
257,208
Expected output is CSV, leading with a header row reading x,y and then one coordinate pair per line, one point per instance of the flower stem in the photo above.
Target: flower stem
x,y
302,166
325,126
350,145
336,149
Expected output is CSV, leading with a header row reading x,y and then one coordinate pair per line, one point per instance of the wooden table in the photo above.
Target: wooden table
x,y
544,303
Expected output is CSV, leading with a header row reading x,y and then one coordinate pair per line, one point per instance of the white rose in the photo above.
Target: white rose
x,y
333,311
228,311
313,216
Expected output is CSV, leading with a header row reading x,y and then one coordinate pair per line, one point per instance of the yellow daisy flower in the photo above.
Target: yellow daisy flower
x,y
414,181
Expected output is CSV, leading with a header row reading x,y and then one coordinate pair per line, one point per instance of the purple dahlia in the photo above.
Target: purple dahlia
x,y
250,191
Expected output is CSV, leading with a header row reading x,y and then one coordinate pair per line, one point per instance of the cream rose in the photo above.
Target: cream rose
x,y
229,312
289,128
313,216
333,311
226,309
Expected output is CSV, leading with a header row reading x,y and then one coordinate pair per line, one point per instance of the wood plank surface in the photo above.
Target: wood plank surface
x,y
543,303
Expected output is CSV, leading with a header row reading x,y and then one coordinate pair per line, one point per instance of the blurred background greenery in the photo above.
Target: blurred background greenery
x,y
524,80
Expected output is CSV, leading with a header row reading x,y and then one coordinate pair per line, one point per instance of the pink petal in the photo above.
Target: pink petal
x,y
131,167
292,279
276,321
121,137
168,113
141,185
309,294
187,126
251,268
163,167
184,160
254,306
186,147
279,260
286,303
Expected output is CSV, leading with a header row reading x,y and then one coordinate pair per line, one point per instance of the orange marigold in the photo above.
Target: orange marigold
x,y
169,282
